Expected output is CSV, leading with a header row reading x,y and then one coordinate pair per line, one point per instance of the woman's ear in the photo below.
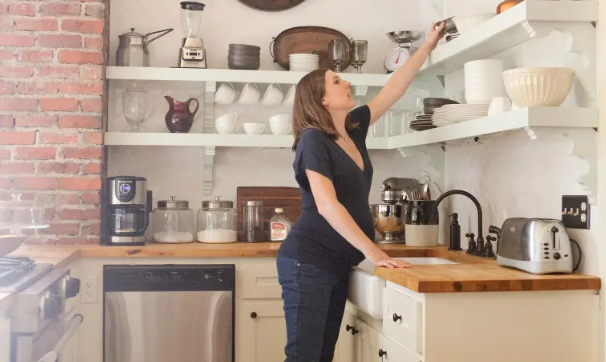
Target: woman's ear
x,y
324,102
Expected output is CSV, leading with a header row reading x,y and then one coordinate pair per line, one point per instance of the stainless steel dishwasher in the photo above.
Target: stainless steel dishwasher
x,y
160,313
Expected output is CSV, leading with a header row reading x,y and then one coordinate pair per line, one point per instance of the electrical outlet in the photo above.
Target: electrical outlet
x,y
576,211
88,290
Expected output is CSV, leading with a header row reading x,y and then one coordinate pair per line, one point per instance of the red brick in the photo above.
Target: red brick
x,y
92,229
35,56
92,168
58,72
91,199
7,120
59,9
24,196
82,26
7,87
5,183
17,138
79,214
62,229
89,153
12,40
17,72
38,88
6,55
93,138
35,183
37,24
18,9
79,57
92,73
93,43
6,24
78,241
18,104
79,122
95,10
66,199
82,88
59,41
5,154
16,168
79,183
57,138
35,121
58,104
68,168
91,105
35,153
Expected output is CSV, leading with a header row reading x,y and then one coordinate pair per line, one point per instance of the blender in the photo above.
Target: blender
x,y
192,53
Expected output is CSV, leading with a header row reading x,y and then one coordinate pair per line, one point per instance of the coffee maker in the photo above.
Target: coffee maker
x,y
127,211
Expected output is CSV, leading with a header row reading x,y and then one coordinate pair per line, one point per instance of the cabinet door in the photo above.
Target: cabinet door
x,y
346,344
5,338
393,352
261,331
368,343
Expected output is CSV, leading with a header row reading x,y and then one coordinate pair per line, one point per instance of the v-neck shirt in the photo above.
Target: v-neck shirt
x,y
312,239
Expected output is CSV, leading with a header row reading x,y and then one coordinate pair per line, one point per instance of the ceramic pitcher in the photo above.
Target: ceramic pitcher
x,y
179,117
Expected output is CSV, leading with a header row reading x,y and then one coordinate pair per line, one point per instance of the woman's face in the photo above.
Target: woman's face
x,y
337,94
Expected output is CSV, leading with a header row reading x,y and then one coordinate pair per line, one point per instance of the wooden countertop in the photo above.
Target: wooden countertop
x,y
473,274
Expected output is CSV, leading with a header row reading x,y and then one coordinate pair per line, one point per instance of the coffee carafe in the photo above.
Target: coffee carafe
x,y
128,210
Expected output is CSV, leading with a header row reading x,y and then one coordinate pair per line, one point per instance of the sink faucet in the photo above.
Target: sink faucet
x,y
480,241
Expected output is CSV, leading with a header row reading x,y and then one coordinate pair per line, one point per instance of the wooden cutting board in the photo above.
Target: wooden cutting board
x,y
271,5
287,198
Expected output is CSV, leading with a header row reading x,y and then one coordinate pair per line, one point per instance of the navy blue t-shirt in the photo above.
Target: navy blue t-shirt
x,y
312,240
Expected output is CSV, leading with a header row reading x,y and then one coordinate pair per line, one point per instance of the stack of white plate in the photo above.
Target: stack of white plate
x,y
303,62
455,113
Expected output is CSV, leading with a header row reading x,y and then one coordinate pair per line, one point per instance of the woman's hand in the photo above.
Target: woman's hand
x,y
379,258
435,34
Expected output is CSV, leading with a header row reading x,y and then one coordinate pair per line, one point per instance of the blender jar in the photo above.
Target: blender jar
x,y
173,222
217,222
191,18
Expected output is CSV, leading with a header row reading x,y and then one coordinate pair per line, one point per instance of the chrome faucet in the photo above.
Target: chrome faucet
x,y
479,250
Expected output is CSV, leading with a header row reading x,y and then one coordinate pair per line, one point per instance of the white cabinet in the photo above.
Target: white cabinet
x,y
402,319
368,344
344,352
260,331
5,338
393,352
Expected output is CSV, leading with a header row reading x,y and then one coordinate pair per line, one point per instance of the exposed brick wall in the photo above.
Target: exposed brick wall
x,y
51,104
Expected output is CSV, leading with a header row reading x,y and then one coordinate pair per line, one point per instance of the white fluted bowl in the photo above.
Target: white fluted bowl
x,y
542,87
467,23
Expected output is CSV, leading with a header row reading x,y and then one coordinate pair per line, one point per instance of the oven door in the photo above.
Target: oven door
x,y
46,345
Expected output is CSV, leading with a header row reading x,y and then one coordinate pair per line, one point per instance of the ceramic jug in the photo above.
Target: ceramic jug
x,y
179,118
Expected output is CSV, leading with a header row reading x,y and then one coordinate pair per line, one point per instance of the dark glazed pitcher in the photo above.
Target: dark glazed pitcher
x,y
179,118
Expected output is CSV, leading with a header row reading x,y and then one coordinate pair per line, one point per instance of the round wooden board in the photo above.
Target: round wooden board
x,y
271,5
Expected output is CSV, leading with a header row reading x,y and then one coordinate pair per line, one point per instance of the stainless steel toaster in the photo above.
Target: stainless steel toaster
x,y
538,246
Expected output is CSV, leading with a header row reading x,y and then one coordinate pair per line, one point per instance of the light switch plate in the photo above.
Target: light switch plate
x,y
576,211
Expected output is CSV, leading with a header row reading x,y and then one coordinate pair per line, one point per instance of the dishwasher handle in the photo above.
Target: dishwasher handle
x,y
72,327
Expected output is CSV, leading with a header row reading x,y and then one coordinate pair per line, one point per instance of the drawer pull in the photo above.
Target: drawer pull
x,y
396,317
382,353
253,315
353,330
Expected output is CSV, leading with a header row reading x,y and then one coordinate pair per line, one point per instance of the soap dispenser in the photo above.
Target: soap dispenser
x,y
455,233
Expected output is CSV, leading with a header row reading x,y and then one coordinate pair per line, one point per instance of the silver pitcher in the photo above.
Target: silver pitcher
x,y
133,48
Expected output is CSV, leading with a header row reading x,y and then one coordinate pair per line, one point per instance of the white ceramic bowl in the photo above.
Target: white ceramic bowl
x,y
467,23
546,87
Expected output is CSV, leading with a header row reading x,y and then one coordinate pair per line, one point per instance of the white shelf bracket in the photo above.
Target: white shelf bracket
x,y
361,90
209,162
209,106
585,149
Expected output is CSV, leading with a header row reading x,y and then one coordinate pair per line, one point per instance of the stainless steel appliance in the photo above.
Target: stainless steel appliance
x,y
128,210
133,50
192,53
38,329
538,246
181,313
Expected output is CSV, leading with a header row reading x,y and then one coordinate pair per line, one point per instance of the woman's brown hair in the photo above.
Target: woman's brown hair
x,y
309,112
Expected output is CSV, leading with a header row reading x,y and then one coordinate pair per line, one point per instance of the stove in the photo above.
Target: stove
x,y
18,273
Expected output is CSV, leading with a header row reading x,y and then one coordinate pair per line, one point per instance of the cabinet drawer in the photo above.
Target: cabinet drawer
x,y
259,281
396,353
402,320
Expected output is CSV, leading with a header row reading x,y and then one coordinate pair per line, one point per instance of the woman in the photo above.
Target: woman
x,y
336,229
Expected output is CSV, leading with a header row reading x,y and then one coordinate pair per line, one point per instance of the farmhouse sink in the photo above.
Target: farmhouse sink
x,y
366,289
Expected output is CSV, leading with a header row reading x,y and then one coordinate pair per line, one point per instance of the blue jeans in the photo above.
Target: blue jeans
x,y
314,303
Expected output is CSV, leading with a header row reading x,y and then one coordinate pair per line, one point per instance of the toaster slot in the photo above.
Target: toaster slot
x,y
555,238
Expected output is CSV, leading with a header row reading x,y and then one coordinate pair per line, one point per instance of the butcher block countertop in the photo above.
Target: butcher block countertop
x,y
473,274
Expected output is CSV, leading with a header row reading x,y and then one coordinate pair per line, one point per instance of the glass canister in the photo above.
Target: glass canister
x,y
252,221
173,222
217,222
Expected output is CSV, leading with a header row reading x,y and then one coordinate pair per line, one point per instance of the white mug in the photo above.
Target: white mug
x,y
254,128
225,94
280,124
273,95
499,105
226,124
289,100
250,94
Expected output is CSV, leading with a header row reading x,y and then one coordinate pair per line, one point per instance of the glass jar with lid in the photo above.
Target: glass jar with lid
x,y
217,222
16,215
173,222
